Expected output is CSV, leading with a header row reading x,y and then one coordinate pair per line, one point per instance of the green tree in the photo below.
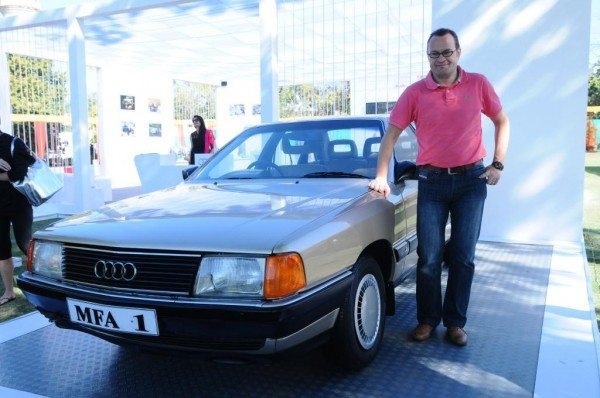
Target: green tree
x,y
37,86
594,86
192,98
308,100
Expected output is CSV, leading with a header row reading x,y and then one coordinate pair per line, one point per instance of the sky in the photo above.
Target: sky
x,y
594,34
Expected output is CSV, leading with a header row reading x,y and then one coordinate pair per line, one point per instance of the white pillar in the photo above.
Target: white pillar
x,y
79,114
535,54
5,110
269,91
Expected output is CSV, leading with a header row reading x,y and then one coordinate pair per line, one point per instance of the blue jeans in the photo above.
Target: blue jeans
x,y
461,196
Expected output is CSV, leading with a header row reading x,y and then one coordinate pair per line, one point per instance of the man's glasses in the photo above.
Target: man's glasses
x,y
445,53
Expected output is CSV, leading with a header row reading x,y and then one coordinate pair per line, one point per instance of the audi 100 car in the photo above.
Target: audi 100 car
x,y
274,244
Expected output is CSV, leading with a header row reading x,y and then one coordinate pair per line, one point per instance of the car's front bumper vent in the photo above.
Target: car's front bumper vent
x,y
155,271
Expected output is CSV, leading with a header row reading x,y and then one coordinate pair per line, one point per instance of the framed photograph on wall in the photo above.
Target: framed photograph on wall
x,y
127,128
154,104
128,102
155,130
237,110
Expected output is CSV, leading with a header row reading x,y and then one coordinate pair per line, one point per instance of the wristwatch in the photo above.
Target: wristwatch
x,y
497,165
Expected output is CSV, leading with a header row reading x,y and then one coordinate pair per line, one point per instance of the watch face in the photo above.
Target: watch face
x,y
498,165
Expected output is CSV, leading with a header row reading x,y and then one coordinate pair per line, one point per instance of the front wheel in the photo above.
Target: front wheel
x,y
359,329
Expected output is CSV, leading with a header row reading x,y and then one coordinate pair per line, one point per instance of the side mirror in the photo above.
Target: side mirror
x,y
188,172
404,170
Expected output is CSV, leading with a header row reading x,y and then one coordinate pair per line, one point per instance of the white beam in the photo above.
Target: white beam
x,y
79,114
5,107
96,9
269,95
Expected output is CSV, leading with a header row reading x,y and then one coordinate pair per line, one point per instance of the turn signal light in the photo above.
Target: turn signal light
x,y
284,275
29,265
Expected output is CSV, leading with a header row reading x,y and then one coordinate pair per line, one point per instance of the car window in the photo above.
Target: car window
x,y
406,147
366,140
316,149
245,154
299,146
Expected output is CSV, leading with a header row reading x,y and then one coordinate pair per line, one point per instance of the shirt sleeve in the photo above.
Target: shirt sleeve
x,y
403,113
210,138
21,159
490,101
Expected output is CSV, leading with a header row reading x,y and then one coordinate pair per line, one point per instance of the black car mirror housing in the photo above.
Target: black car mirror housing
x,y
188,172
404,170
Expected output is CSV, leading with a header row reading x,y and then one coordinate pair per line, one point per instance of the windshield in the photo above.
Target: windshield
x,y
309,149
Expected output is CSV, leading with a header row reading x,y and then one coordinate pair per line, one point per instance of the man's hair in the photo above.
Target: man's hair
x,y
443,32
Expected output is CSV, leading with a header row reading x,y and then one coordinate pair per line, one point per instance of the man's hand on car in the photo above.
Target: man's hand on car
x,y
380,184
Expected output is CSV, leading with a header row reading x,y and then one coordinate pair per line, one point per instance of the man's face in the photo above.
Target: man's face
x,y
443,67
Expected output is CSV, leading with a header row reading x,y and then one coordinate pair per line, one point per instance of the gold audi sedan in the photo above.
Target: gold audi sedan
x,y
274,244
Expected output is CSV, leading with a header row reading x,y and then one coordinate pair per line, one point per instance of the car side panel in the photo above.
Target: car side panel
x,y
335,245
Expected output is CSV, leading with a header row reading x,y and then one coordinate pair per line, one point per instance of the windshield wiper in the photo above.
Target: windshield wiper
x,y
334,174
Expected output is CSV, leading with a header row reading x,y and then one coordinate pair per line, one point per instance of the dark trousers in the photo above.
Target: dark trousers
x,y
21,221
462,196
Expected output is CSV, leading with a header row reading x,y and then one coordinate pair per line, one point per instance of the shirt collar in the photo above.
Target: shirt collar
x,y
432,84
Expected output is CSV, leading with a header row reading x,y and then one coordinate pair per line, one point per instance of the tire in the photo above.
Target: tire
x,y
358,332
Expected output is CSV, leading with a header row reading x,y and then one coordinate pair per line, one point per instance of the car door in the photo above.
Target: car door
x,y
406,149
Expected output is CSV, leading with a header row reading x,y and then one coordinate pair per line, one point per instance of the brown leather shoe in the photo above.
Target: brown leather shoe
x,y
456,336
422,332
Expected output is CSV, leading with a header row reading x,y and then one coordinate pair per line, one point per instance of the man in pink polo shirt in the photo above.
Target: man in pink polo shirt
x,y
446,107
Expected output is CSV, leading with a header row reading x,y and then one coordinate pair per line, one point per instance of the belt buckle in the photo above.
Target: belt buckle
x,y
449,170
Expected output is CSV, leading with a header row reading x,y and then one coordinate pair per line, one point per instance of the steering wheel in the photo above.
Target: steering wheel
x,y
267,166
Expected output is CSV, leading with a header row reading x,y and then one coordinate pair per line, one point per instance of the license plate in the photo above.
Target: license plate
x,y
115,319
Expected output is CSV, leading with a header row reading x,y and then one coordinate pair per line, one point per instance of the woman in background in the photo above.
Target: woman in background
x,y
14,208
202,139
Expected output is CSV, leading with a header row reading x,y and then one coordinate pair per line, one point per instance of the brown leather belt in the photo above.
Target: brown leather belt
x,y
452,170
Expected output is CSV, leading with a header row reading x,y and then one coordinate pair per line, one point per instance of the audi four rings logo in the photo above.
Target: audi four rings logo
x,y
115,270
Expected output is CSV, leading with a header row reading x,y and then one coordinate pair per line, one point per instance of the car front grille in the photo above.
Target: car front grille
x,y
157,271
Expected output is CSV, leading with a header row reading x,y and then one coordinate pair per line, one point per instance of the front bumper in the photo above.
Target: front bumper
x,y
232,326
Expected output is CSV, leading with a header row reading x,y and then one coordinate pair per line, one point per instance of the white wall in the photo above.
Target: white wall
x,y
119,149
535,53
237,92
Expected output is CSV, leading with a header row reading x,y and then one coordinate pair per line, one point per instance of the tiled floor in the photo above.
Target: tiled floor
x,y
530,333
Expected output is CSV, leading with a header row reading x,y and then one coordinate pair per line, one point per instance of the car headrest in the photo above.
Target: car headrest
x,y
342,149
371,146
295,145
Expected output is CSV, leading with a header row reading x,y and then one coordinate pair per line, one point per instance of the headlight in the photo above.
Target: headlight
x,y
230,276
47,259
274,277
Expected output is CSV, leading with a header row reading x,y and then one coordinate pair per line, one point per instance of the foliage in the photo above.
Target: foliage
x,y
37,86
310,100
591,222
594,86
192,98
93,116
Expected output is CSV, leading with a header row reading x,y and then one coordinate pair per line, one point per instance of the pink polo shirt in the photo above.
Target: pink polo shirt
x,y
448,119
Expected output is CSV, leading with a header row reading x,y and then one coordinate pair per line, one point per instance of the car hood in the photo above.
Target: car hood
x,y
243,217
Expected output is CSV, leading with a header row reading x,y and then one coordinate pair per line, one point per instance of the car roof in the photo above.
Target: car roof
x,y
307,120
